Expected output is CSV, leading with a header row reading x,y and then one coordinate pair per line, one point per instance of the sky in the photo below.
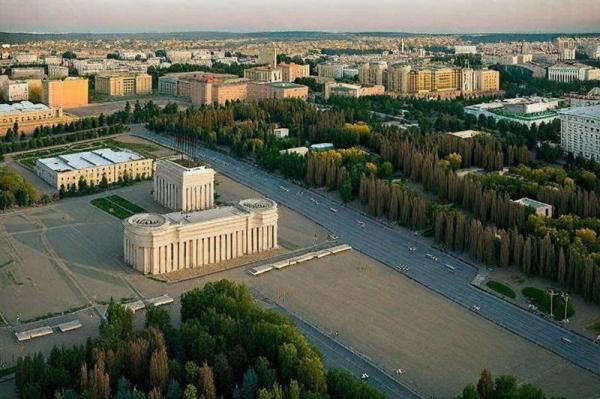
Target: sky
x,y
421,16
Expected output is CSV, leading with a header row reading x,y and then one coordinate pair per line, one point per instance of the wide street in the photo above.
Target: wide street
x,y
432,268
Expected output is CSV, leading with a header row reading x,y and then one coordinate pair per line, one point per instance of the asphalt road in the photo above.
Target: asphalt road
x,y
391,247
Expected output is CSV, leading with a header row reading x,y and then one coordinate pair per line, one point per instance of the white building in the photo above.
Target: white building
x,y
592,50
25,58
524,110
156,244
465,49
57,72
572,72
541,208
15,90
580,131
183,185
179,56
335,71
281,132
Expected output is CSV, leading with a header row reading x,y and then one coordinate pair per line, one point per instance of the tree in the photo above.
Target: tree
x,y
206,382
69,55
118,325
174,390
455,160
190,392
159,369
346,190
485,386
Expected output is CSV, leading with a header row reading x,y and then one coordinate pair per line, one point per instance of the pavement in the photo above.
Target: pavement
x,y
337,354
436,270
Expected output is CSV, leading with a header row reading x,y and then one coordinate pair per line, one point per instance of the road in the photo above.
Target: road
x,y
336,353
391,247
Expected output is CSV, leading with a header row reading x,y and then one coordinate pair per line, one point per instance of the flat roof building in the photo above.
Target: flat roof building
x,y
15,90
580,131
183,185
523,110
352,90
290,72
466,134
157,244
67,93
29,116
116,84
541,208
263,74
66,170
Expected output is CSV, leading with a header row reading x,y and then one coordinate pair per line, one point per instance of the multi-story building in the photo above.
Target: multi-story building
x,y
465,49
27,73
25,58
179,56
263,74
290,72
580,131
572,72
527,111
123,84
566,53
442,81
29,116
592,50
157,244
333,71
372,73
352,90
88,67
183,185
268,55
218,90
52,60
57,72
93,166
15,90
67,93
276,90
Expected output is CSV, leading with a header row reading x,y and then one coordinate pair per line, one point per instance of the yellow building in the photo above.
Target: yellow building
x,y
29,116
487,80
67,93
290,72
123,84
263,74
372,73
66,170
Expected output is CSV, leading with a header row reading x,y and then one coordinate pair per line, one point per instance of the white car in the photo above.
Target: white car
x,y
333,210
566,340
476,308
364,376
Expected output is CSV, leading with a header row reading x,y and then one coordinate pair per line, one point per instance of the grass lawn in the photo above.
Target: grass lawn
x,y
541,299
501,289
594,327
117,206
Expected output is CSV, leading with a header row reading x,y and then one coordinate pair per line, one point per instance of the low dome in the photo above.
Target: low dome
x,y
147,220
258,203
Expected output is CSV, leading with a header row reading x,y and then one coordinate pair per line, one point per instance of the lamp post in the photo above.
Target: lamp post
x,y
552,293
565,296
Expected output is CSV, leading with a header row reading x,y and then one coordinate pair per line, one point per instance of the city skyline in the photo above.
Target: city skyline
x,y
428,16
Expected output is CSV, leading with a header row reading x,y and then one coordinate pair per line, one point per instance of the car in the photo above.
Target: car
x,y
333,237
476,308
333,210
566,340
364,376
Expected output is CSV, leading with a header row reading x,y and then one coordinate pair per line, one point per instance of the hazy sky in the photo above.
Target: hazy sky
x,y
271,15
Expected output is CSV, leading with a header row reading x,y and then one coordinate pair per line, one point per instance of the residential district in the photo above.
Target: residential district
x,y
337,215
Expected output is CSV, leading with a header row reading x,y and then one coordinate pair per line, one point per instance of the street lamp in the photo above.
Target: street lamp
x,y
565,296
552,294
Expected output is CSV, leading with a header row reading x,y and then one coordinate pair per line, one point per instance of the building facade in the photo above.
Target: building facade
x,y
351,90
156,244
572,72
332,71
214,90
263,74
183,186
57,72
123,84
29,116
580,131
66,170
67,93
268,56
15,90
290,72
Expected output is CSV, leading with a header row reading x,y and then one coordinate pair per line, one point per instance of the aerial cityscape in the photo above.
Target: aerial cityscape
x,y
283,200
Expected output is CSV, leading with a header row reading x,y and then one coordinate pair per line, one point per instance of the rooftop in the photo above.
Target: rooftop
x,y
23,106
285,85
204,215
531,202
466,134
88,159
592,111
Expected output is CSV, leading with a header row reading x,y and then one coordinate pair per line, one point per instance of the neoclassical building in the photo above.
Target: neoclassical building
x,y
182,185
156,244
